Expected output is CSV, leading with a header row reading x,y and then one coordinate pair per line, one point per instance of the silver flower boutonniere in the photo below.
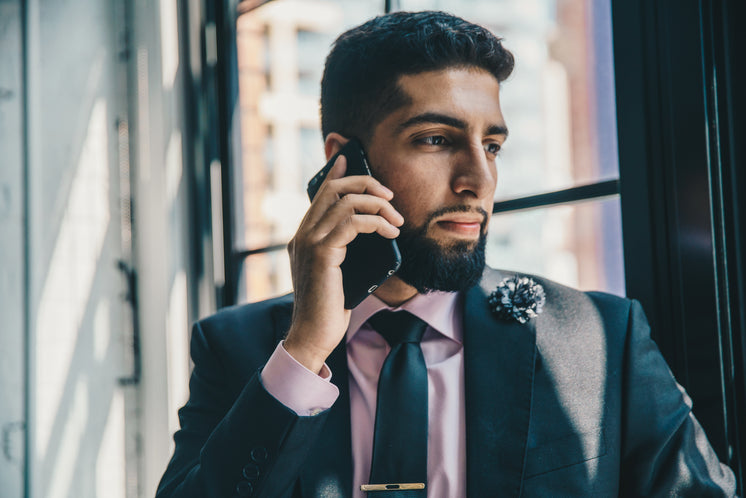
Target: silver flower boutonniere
x,y
517,298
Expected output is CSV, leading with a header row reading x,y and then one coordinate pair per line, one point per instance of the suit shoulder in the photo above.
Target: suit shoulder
x,y
262,317
241,338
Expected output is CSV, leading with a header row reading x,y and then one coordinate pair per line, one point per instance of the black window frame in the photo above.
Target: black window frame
x,y
680,106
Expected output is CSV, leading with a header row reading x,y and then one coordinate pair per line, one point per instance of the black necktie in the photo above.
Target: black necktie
x,y
400,438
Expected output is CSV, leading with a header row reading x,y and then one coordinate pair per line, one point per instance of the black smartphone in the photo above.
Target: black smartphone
x,y
371,258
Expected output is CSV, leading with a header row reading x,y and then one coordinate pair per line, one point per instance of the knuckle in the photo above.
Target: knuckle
x,y
347,200
349,204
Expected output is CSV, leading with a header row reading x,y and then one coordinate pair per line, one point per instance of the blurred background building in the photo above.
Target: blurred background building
x,y
153,164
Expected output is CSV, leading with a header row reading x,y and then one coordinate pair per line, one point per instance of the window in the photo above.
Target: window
x,y
559,104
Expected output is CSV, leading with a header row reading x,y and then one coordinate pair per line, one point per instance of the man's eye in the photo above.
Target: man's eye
x,y
492,148
435,140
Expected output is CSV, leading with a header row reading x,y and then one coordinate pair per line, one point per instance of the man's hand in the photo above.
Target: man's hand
x,y
343,208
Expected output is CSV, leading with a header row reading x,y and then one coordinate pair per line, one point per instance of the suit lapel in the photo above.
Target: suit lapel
x,y
328,471
498,375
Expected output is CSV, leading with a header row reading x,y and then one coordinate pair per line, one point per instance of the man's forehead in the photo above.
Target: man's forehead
x,y
456,97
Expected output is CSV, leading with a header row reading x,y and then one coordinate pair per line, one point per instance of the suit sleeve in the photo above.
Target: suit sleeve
x,y
249,445
666,452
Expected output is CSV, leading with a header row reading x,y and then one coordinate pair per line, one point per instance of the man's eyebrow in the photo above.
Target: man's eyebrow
x,y
433,117
498,130
438,118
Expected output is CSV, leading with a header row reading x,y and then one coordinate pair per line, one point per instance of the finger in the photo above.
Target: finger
x,y
369,204
356,184
338,170
333,190
352,204
345,233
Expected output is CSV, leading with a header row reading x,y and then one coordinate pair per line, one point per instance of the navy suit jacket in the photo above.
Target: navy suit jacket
x,y
577,402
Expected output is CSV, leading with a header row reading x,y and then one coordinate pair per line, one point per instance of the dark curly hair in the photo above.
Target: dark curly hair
x,y
359,87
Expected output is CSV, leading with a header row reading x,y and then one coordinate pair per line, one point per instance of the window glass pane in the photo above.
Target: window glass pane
x,y
281,51
263,276
559,102
575,244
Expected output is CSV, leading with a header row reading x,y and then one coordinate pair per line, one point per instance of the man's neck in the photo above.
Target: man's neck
x,y
394,292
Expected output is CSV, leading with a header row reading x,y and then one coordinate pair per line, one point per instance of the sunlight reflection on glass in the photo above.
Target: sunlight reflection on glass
x,y
110,464
72,437
178,349
66,291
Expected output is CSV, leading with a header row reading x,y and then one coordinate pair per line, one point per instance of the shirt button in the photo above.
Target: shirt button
x,y
244,488
251,471
259,454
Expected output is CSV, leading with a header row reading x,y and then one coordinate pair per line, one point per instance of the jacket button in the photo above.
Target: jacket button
x,y
244,488
251,471
259,454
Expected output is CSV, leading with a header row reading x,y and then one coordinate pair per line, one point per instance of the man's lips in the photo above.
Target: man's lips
x,y
463,225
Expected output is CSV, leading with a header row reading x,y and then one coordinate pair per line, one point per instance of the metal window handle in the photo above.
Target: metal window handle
x,y
130,297
9,429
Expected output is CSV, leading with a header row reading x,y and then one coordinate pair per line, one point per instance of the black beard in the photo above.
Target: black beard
x,y
428,266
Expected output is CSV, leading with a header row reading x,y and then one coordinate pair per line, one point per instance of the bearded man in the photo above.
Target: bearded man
x,y
452,379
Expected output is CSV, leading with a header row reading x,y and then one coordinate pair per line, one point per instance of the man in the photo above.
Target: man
x,y
570,398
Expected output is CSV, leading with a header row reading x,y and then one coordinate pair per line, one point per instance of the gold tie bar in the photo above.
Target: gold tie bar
x,y
392,487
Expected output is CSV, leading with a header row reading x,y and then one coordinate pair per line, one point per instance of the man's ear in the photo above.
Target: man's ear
x,y
334,141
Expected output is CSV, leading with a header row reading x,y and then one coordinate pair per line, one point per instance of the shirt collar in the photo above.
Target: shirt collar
x,y
439,310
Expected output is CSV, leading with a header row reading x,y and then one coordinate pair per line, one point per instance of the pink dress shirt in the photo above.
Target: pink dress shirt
x,y
308,394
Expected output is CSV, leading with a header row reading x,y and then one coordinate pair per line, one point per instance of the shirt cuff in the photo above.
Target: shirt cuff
x,y
295,386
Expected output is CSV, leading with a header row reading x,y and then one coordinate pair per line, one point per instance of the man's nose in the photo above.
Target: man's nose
x,y
474,173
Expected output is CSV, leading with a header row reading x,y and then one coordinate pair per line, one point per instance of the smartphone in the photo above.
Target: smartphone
x,y
371,258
